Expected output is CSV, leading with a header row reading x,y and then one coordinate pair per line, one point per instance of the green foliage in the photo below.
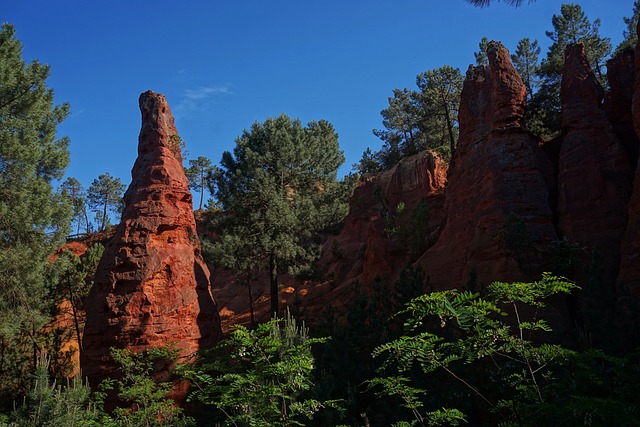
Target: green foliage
x,y
33,218
344,362
200,175
570,26
476,329
526,62
261,376
420,120
72,189
178,147
51,405
145,399
104,195
481,54
630,35
279,190
75,276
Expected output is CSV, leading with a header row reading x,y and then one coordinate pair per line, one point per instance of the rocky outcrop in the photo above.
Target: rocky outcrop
x,y
628,303
500,189
594,172
370,244
365,248
618,101
152,287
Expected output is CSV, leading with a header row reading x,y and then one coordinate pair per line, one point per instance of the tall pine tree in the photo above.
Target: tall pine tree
x,y
278,190
526,62
630,35
571,26
33,218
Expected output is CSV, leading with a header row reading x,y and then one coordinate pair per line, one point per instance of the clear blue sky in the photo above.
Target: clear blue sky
x,y
226,64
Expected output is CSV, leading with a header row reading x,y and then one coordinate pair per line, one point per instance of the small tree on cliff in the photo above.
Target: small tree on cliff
x,y
481,54
199,173
421,119
72,188
33,218
279,189
630,35
525,61
105,194
570,26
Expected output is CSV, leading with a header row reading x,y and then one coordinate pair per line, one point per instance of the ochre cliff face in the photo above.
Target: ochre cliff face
x,y
365,248
499,175
594,172
152,287
628,304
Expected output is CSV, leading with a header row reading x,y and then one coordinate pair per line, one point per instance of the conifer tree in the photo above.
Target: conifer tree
x,y
630,33
105,194
481,54
72,188
33,218
571,26
421,119
199,173
279,189
525,60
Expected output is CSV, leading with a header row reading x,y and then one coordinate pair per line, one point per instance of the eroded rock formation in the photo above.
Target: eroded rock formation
x,y
152,287
594,177
368,246
499,196
628,304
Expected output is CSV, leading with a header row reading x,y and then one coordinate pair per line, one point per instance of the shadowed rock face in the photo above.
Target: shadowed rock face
x,y
366,249
498,173
152,287
628,304
594,172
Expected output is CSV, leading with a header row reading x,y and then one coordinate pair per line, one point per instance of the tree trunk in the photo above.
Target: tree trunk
x,y
86,219
273,277
452,139
201,195
253,320
104,216
75,315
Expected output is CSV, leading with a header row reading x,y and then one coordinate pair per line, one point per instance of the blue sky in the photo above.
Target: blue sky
x,y
226,64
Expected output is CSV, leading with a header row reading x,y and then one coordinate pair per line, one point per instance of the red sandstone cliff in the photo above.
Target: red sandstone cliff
x,y
628,304
152,287
594,177
498,174
362,250
366,247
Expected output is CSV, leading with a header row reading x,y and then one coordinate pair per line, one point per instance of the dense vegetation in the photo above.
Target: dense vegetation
x,y
403,356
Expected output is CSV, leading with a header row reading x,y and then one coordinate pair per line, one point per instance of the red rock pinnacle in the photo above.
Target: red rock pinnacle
x,y
152,287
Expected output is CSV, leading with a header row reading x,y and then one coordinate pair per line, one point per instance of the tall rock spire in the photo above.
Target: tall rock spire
x,y
152,287
500,185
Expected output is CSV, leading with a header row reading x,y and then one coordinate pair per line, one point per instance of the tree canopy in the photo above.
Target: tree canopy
x,y
105,194
417,120
33,217
278,189
200,173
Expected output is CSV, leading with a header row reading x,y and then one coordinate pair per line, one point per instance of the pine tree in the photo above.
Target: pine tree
x,y
630,34
571,26
33,218
105,194
439,99
278,190
421,119
72,188
199,174
481,54
525,60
